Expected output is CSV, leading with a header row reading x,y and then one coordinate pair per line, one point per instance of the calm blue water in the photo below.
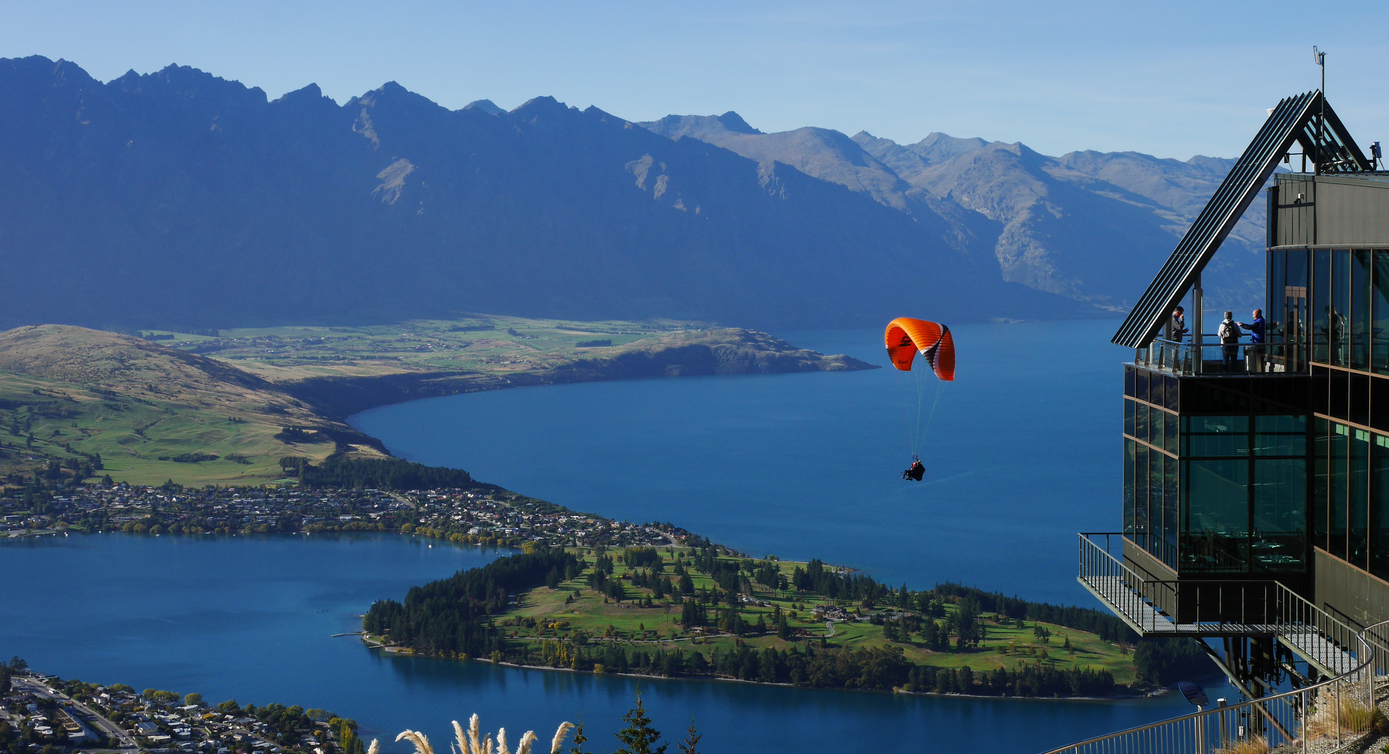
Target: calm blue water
x,y
1023,451
251,619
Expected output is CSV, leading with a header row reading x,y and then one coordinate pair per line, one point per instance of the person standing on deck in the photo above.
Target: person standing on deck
x,y
1176,330
1255,350
1229,334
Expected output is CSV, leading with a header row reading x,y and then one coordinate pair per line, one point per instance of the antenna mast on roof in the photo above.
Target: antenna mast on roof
x,y
1319,58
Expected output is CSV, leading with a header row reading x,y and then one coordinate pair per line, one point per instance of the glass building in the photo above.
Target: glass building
x,y
1258,470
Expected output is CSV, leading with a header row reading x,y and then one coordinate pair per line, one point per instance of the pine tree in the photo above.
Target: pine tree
x,y
579,739
639,737
692,737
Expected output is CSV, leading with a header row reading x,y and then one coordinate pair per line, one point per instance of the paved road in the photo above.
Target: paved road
x,y
112,731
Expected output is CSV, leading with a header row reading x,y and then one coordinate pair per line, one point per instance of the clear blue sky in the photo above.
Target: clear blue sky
x,y
1167,78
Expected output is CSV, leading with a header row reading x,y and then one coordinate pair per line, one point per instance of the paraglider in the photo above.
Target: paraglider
x,y
905,338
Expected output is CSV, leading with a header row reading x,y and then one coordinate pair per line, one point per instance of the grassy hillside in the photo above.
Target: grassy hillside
x,y
225,407
573,606
342,370
143,413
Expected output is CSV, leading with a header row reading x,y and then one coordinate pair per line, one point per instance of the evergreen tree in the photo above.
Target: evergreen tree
x,y
639,737
692,737
579,739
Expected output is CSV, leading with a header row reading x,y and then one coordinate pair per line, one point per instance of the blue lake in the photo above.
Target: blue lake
x,y
1023,452
251,618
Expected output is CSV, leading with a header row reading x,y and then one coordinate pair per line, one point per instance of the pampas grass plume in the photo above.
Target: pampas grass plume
x,y
560,735
420,741
527,738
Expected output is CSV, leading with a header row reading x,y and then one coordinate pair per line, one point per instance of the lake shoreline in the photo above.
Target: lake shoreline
x,y
399,650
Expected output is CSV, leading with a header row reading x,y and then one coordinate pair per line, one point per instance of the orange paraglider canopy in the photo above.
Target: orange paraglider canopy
x,y
906,336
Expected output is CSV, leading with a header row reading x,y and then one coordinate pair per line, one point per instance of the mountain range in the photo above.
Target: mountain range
x,y
181,200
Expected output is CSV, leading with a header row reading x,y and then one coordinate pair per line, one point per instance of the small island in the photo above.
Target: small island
x,y
581,592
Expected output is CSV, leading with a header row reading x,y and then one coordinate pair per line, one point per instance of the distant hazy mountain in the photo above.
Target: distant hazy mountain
x,y
180,199
1092,226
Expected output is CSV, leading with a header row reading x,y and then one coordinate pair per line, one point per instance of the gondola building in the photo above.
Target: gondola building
x,y
1256,480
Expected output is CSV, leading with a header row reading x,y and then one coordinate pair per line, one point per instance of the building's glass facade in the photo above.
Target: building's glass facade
x,y
1214,493
1221,482
1350,380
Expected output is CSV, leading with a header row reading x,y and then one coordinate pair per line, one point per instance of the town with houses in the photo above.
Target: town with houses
x,y
472,516
47,714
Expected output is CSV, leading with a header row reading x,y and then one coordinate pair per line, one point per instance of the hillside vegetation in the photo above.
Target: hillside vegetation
x,y
226,407
87,402
343,370
708,612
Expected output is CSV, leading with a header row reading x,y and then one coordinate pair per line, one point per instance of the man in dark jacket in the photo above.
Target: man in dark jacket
x,y
916,472
1255,350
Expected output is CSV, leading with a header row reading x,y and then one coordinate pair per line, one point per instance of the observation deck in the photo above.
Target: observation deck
x,y
1214,608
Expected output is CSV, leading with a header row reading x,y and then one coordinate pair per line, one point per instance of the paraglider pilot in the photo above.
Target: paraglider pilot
x,y
916,471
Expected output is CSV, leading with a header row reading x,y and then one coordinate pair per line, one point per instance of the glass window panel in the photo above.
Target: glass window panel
x,y
1170,433
1128,381
1157,424
1379,507
1130,449
1379,315
1340,306
1215,515
1321,305
1359,402
1171,507
1155,389
1295,317
1336,491
1297,268
1170,392
1321,384
1280,515
1129,407
1339,403
1140,421
1357,513
1320,447
1140,384
1214,436
1359,324
1155,469
1140,497
1280,436
1379,404
1277,296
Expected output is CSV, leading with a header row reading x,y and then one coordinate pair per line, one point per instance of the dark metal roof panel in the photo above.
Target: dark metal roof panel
x,y
1217,219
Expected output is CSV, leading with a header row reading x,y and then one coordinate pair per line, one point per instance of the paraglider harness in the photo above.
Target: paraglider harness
x,y
916,472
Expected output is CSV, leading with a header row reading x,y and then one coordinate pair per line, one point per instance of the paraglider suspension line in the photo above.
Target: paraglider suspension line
x,y
917,434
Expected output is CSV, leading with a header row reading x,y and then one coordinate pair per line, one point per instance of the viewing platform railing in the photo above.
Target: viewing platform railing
x,y
1325,717
1328,717
1214,358
1214,607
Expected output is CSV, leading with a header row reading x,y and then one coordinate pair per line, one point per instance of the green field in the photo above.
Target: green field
x,y
69,395
543,613
489,344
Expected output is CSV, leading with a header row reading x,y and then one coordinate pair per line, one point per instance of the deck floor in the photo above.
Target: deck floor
x,y
1305,641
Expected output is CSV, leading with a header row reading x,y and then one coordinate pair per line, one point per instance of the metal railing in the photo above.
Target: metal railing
x,y
1214,358
1213,606
1325,718
1138,597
